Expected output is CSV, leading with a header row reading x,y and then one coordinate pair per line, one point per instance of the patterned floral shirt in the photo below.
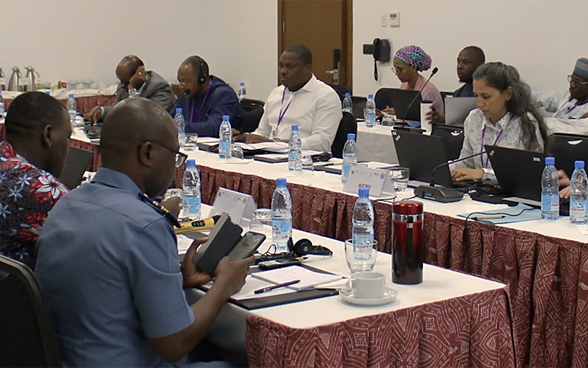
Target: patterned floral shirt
x,y
26,196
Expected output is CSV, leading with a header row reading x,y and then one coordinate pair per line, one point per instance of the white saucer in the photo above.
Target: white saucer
x,y
388,296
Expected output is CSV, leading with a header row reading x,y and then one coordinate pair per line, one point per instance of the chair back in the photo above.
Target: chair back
x,y
358,106
567,148
341,90
27,338
348,124
383,98
248,102
251,113
452,139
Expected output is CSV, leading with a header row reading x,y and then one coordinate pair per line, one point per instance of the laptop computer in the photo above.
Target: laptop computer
x,y
421,161
76,164
457,109
518,173
401,100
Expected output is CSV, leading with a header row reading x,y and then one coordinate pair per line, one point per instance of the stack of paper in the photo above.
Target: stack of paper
x,y
308,278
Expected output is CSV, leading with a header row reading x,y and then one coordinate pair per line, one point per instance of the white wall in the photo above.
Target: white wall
x,y
542,38
78,39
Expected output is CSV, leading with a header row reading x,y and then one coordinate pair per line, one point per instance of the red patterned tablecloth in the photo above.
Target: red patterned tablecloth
x,y
84,103
470,331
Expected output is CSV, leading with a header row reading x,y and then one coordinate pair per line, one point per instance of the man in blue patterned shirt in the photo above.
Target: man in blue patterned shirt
x,y
31,157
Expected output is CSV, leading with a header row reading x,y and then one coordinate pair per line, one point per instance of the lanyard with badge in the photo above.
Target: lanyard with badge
x,y
201,110
282,113
482,150
570,109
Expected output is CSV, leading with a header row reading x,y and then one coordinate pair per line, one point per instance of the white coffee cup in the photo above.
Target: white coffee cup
x,y
425,108
367,285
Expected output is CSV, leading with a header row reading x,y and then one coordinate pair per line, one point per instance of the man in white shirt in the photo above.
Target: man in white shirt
x,y
301,100
571,104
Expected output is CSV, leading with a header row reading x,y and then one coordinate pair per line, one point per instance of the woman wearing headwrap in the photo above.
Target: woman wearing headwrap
x,y
408,62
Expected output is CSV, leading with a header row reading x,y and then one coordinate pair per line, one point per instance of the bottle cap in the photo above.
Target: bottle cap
x,y
281,182
370,96
47,92
347,94
350,136
579,164
363,192
71,95
225,117
549,160
178,110
407,208
242,84
295,127
191,163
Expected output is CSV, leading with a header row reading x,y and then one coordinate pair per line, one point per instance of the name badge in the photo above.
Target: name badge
x,y
363,177
235,204
23,81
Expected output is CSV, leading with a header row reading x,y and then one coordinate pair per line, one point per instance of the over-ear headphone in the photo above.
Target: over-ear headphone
x,y
304,247
201,77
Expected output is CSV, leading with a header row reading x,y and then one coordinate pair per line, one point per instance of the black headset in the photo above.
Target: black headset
x,y
201,77
305,246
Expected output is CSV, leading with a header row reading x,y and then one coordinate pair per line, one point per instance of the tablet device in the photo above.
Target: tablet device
x,y
246,246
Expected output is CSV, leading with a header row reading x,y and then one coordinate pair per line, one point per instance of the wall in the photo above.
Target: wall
x,y
542,38
78,39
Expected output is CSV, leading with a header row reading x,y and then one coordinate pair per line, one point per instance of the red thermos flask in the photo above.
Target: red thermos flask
x,y
407,242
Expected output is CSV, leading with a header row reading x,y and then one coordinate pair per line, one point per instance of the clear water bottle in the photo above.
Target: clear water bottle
x,y
549,191
225,135
72,108
191,190
281,216
370,112
348,103
349,157
181,124
242,91
294,150
362,232
2,111
578,198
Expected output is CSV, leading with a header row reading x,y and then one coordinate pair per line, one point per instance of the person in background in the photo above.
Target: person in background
x,y
506,116
468,61
108,258
409,61
136,82
300,99
204,99
31,158
570,104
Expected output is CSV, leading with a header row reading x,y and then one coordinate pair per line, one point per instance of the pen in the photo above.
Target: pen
x,y
270,288
488,217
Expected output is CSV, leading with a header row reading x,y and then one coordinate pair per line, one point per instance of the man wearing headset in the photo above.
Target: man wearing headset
x,y
135,81
204,99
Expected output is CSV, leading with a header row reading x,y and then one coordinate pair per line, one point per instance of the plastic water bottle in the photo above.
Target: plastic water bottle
x,y
225,135
72,108
370,112
191,190
281,216
242,91
294,150
362,232
578,199
349,157
1,106
549,191
181,124
348,103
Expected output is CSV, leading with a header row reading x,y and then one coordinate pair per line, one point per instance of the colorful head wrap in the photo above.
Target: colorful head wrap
x,y
414,56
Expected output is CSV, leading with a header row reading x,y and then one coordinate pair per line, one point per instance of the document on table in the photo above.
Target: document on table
x,y
278,147
308,278
285,155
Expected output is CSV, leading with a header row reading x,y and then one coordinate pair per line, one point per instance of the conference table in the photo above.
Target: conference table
x,y
450,320
544,264
86,99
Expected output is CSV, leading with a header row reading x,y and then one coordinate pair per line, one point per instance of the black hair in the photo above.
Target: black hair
x,y
478,52
302,52
133,62
31,112
195,62
501,76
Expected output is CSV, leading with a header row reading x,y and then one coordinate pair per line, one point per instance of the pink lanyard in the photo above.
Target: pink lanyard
x,y
496,141
282,113
201,105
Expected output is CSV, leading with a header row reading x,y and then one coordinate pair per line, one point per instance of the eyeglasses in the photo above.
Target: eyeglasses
x,y
576,81
180,157
397,71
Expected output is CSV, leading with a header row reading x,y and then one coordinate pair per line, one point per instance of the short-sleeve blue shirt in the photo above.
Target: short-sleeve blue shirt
x,y
108,265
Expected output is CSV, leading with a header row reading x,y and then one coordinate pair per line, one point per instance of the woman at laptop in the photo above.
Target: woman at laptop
x,y
409,61
506,116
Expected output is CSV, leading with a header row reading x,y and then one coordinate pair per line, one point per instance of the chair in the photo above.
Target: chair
x,y
341,90
452,139
348,124
251,113
383,98
567,148
358,106
27,338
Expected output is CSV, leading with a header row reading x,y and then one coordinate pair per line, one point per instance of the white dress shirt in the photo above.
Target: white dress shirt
x,y
506,132
316,108
560,103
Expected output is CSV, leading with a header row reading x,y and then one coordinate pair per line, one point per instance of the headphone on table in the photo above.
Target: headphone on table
x,y
201,77
305,246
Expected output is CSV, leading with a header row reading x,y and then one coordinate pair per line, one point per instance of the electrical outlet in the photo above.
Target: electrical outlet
x,y
384,20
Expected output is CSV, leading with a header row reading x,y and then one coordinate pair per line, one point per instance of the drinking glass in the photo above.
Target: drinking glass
x,y
261,222
236,151
361,257
191,142
399,177
307,164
